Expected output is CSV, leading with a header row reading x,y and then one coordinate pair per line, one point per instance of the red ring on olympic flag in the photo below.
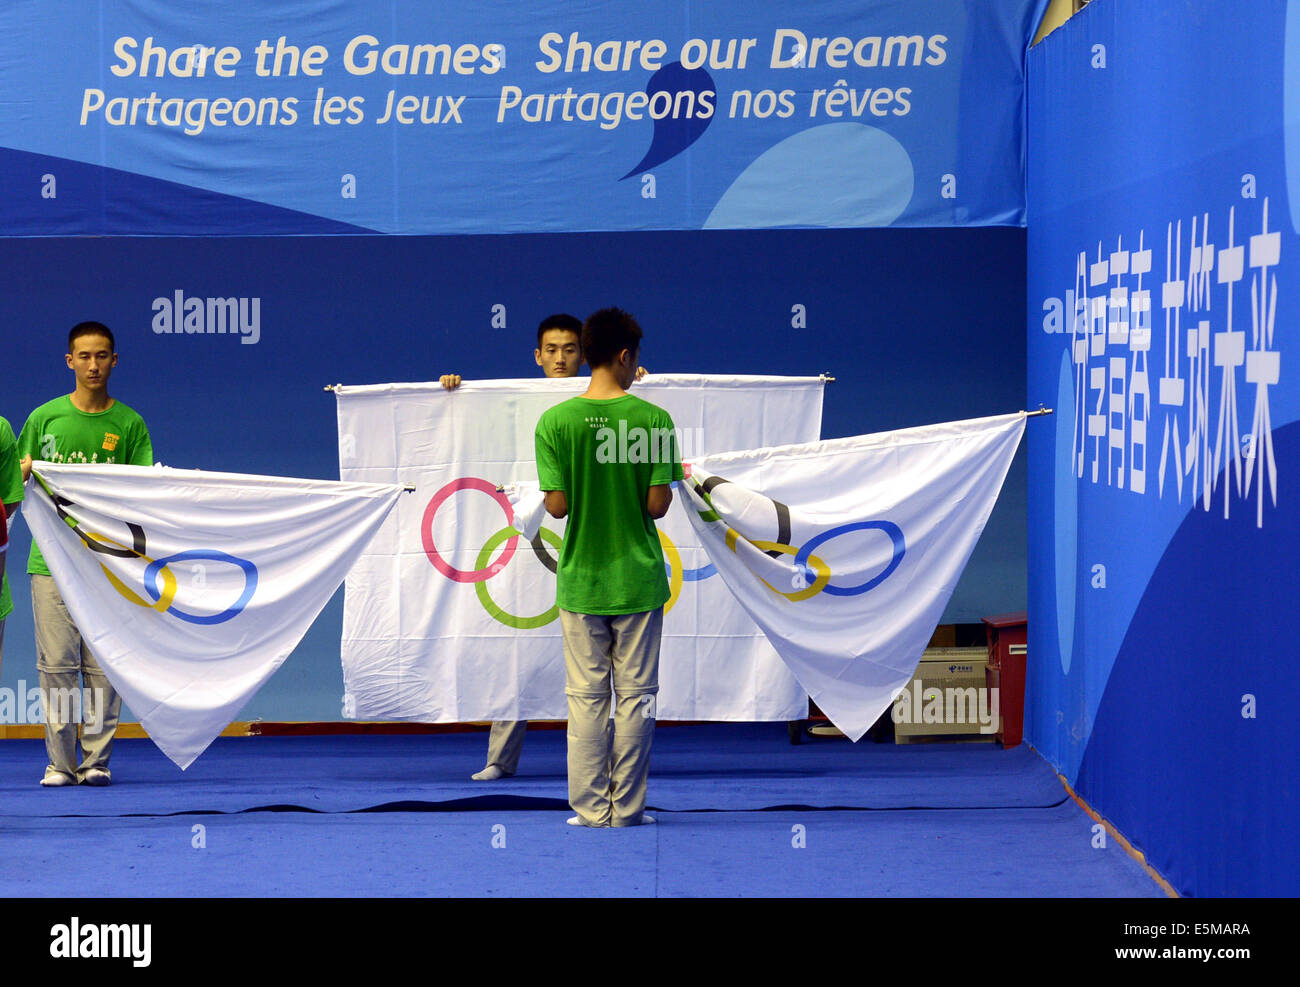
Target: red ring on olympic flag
x,y
426,531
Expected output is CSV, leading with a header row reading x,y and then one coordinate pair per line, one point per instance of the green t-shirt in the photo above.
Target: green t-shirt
x,y
606,455
57,432
11,491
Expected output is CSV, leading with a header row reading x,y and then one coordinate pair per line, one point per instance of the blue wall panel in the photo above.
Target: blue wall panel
x,y
917,325
1162,292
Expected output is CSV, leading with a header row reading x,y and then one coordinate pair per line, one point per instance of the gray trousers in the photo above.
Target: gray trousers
x,y
63,663
609,762
506,743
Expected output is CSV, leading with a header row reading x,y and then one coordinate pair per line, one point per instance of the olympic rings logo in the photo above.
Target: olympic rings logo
x,y
160,583
507,539
812,575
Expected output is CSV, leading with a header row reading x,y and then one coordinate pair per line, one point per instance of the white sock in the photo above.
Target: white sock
x,y
490,773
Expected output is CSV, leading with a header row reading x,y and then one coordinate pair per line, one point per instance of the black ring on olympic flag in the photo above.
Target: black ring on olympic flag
x,y
782,513
542,554
136,551
782,526
711,482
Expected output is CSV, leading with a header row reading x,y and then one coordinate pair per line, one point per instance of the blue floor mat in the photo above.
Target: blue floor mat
x,y
741,812
708,767
909,853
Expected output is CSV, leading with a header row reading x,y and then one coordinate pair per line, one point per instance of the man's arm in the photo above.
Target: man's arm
x,y
557,505
13,469
658,499
141,451
550,474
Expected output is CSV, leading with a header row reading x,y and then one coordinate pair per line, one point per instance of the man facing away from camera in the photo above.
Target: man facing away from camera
x,y
605,460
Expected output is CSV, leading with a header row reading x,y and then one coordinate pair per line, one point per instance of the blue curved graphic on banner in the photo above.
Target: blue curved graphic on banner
x,y
1195,616
1291,109
838,174
95,199
673,136
1066,497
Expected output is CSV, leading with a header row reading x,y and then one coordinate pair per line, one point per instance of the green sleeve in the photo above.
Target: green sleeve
x,y
667,468
27,437
550,476
11,476
11,491
141,453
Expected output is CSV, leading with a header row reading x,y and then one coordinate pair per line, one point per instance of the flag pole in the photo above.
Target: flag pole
x,y
1034,414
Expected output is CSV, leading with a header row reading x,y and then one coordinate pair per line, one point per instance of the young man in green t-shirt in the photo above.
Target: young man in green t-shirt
x,y
559,354
86,426
11,493
606,460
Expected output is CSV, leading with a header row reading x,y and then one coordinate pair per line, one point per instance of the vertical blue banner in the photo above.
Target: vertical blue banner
x,y
1164,274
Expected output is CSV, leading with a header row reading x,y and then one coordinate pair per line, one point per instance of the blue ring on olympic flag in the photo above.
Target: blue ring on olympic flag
x,y
703,572
695,575
250,583
888,527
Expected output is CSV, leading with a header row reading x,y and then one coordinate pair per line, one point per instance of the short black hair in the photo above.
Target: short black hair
x,y
561,320
607,333
91,329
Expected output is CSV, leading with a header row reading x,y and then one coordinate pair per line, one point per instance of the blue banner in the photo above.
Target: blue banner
x,y
1164,269
319,116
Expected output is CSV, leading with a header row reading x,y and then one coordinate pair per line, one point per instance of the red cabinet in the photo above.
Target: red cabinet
x,y
1008,651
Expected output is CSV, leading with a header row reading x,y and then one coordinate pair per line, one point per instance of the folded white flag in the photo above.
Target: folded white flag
x,y
529,502
846,551
191,588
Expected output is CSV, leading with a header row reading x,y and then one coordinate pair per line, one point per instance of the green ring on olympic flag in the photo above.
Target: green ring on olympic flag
x,y
494,611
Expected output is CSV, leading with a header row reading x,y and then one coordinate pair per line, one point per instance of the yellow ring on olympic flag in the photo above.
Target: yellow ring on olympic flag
x,y
169,579
674,568
823,570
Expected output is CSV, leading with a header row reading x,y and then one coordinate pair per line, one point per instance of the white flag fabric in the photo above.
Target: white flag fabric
x,y
191,588
846,551
450,614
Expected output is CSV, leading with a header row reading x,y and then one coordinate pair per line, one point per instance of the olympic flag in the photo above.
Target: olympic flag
x,y
450,614
845,552
192,588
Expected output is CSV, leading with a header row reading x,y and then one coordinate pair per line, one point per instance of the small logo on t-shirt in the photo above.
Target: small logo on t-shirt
x,y
110,441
